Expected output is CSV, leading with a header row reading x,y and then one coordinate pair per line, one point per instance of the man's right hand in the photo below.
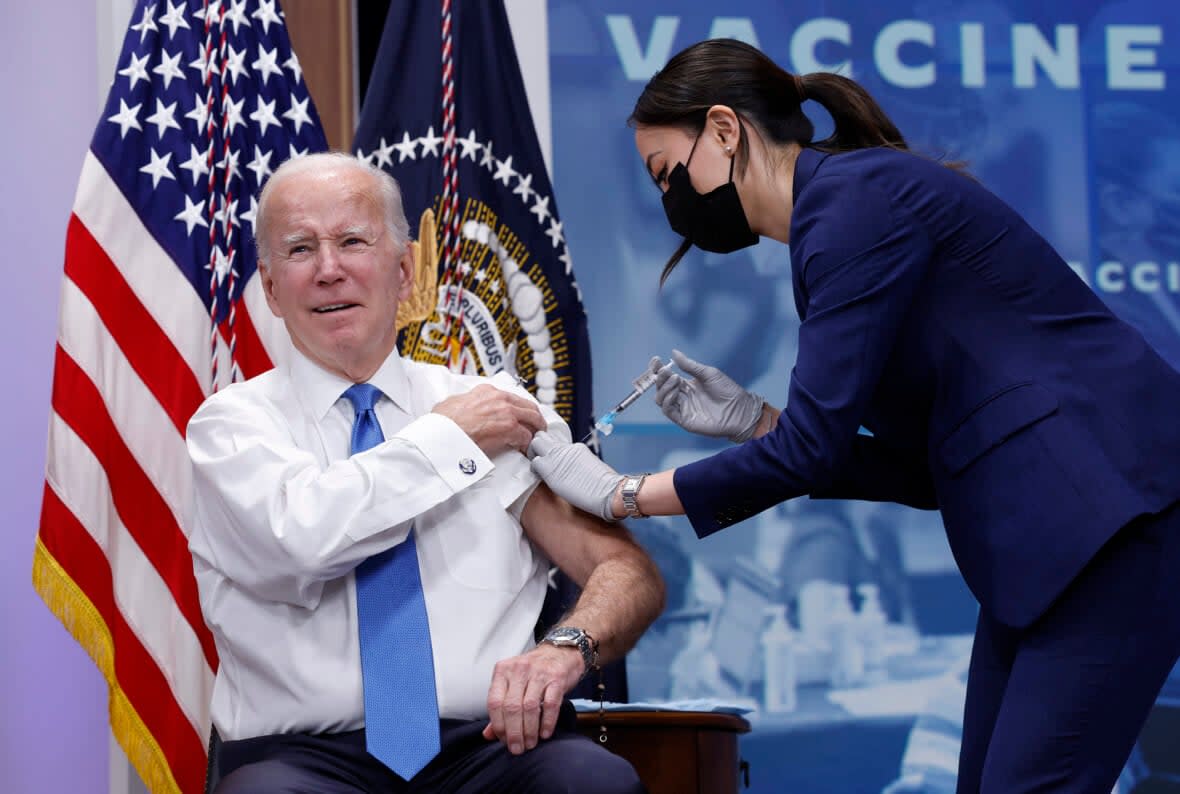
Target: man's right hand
x,y
494,419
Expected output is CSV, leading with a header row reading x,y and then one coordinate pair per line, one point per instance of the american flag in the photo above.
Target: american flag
x,y
160,307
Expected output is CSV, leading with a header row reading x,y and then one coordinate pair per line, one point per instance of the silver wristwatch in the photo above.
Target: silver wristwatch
x,y
630,493
570,637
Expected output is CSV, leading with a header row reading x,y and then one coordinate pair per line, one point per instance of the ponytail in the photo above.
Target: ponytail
x,y
733,73
859,122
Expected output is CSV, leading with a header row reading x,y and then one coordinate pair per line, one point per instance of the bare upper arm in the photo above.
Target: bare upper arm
x,y
574,541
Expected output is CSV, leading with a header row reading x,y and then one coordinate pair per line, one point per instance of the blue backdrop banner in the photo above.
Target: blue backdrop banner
x,y
845,627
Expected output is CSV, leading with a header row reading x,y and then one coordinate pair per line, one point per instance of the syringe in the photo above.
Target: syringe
x,y
606,424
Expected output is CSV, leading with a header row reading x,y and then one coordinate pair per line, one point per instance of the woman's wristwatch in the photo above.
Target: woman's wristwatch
x,y
630,493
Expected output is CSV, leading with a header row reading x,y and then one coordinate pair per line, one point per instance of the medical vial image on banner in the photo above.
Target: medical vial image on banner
x,y
844,627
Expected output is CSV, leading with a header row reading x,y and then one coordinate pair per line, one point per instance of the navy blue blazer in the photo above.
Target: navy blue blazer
x,y
997,387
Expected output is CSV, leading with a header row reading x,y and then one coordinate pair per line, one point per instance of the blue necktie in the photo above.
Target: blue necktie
x,y
397,664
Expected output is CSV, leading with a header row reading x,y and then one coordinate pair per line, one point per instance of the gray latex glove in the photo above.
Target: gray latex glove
x,y
709,402
575,474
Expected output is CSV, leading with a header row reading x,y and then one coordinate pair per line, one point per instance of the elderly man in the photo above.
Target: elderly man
x,y
372,548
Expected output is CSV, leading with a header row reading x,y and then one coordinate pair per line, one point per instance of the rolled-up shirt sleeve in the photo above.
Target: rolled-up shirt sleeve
x,y
512,468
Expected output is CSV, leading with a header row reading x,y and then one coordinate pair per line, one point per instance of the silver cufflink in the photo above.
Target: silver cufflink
x,y
467,466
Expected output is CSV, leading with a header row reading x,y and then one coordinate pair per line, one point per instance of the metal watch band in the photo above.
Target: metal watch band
x,y
630,492
570,637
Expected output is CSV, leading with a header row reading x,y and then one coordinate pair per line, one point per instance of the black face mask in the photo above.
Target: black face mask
x,y
713,221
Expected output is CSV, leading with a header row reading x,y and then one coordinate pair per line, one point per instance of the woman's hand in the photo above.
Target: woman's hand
x,y
575,474
709,402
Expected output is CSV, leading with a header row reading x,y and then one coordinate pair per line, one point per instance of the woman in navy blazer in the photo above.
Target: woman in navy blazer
x,y
995,384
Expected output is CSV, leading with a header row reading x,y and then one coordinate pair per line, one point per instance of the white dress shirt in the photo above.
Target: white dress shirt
x,y
284,515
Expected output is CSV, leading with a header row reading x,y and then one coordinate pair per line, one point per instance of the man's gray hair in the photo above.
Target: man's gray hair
x,y
386,191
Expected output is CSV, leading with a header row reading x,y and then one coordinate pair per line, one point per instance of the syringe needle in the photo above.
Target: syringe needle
x,y
641,384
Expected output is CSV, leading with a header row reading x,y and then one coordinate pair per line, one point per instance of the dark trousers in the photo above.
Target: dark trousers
x,y
1056,706
567,763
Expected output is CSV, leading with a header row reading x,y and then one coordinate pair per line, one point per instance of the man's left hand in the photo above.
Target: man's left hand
x,y
526,693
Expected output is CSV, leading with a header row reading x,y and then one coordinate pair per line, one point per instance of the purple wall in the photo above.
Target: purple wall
x,y
53,720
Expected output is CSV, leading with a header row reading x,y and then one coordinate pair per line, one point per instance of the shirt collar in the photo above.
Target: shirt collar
x,y
806,165
319,389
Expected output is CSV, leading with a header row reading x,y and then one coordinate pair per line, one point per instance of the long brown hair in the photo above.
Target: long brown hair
x,y
731,72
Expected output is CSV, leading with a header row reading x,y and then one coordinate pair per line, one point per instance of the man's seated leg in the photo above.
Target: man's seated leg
x,y
567,763
328,764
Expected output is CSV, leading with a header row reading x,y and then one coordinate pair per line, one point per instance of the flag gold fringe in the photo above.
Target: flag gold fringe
x,y
82,620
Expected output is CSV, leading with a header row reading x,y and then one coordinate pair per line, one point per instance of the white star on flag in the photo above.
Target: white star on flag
x,y
158,168
174,19
237,14
383,154
136,70
298,114
504,171
214,10
164,118
260,165
199,113
430,142
146,22
220,265
265,115
169,68
193,214
292,63
252,213
266,15
470,146
233,115
405,149
197,163
523,187
205,67
554,231
265,64
235,64
126,118
488,160
230,161
228,216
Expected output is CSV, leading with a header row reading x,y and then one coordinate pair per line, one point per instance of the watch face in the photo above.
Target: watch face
x,y
577,638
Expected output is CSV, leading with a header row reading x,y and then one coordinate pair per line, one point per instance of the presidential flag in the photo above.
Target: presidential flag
x,y
160,307
446,113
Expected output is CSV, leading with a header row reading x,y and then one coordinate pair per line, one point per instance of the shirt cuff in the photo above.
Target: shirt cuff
x,y
455,457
